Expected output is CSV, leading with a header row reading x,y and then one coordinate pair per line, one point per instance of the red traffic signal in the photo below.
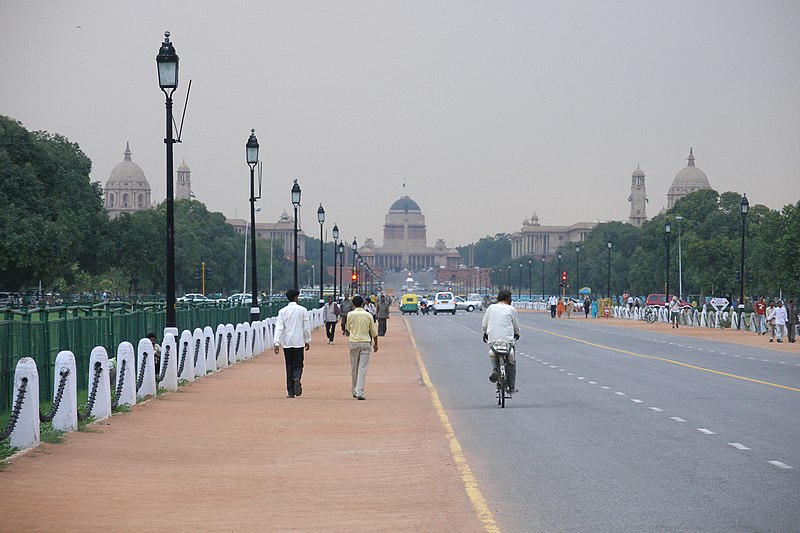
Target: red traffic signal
x,y
354,276
563,275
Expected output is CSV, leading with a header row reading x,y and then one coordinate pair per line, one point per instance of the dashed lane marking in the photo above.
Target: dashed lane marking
x,y
677,419
780,465
657,409
706,431
738,446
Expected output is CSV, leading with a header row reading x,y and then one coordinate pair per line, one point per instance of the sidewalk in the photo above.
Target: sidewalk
x,y
230,452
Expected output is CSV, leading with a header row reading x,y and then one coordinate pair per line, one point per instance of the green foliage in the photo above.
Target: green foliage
x,y
489,251
47,433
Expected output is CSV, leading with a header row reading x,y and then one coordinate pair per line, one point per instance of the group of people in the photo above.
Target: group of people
x,y
773,318
363,320
567,306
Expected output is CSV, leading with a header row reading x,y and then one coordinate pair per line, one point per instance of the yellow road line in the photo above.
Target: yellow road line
x,y
665,360
479,504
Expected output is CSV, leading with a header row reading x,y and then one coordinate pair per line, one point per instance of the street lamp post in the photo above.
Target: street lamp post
x,y
296,203
608,286
680,266
340,250
667,234
744,207
577,270
544,259
252,161
519,287
167,62
558,273
335,232
321,220
353,286
510,287
530,280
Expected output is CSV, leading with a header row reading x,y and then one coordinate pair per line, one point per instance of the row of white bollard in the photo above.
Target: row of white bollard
x,y
704,318
203,351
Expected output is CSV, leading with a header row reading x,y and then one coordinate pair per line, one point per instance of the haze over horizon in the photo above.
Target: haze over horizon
x,y
488,112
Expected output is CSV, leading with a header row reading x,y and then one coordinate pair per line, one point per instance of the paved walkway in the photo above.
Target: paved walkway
x,y
230,452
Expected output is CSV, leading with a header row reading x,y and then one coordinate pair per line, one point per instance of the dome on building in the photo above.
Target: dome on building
x,y
184,167
127,170
405,204
688,180
638,173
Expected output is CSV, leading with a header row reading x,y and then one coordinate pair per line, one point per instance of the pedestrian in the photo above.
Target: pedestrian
x,y
630,303
553,303
345,308
156,353
674,311
778,317
791,320
761,316
362,331
330,315
594,308
293,332
369,306
560,307
771,320
569,307
383,315
637,303
587,306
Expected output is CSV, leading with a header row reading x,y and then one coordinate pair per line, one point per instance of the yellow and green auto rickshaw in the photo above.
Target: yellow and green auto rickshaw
x,y
409,303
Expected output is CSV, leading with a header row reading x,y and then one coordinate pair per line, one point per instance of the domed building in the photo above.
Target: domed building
x,y
183,182
127,189
405,242
687,181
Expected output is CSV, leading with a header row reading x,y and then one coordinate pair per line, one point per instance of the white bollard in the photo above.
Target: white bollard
x,y
249,337
269,333
209,349
230,343
220,352
101,409
66,417
169,356
199,353
239,342
258,337
26,432
147,365
186,355
127,395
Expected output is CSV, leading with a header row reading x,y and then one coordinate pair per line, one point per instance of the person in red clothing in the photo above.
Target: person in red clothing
x,y
761,316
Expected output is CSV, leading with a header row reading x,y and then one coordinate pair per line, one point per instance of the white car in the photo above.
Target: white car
x,y
241,298
444,302
465,304
194,297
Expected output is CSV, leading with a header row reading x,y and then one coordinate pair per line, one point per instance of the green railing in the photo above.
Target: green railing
x,y
42,333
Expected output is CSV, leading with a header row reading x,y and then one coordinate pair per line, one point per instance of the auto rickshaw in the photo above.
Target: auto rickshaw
x,y
409,303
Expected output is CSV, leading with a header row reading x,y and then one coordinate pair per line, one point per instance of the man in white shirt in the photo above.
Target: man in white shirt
x,y
500,323
293,332
778,315
552,302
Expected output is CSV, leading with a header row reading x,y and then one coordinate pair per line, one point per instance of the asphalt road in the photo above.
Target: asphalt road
x,y
620,429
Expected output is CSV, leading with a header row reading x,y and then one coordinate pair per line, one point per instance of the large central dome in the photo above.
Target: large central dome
x,y
127,170
405,204
688,180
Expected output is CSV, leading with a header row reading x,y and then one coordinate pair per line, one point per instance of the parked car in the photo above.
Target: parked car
x,y
241,298
195,297
444,302
658,300
466,304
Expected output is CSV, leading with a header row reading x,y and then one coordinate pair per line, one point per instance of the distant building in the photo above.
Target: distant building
x,y
405,242
127,189
183,183
638,198
688,180
537,240
282,229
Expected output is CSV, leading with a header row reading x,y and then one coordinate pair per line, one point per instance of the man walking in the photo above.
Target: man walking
x,y
330,315
383,315
293,332
552,302
761,315
362,330
345,308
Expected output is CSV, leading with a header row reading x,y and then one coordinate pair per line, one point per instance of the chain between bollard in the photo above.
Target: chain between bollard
x,y
12,422
227,355
120,382
164,364
57,400
182,360
219,346
238,341
140,377
196,351
92,393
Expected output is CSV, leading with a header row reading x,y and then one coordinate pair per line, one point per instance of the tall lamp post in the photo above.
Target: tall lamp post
x,y
167,62
510,287
252,161
353,285
321,220
544,259
558,273
519,287
577,270
530,280
296,203
335,232
340,250
667,234
608,286
744,207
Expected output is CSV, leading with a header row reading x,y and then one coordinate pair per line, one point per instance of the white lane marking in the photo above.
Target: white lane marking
x,y
580,378
605,388
700,350
736,355
560,369
551,366
752,358
738,445
784,363
592,383
634,400
706,431
765,360
570,374
780,465
618,393
724,353
677,419
656,409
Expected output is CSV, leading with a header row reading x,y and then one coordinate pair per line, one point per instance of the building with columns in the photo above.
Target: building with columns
x,y
688,180
282,229
405,242
127,189
638,198
537,240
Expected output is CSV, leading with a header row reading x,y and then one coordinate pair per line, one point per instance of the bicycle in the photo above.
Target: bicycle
x,y
650,315
502,349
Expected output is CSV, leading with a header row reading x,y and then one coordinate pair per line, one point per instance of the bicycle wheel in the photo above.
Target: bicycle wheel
x,y
501,384
651,318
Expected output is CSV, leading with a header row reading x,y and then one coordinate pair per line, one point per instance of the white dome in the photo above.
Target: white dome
x,y
127,170
690,178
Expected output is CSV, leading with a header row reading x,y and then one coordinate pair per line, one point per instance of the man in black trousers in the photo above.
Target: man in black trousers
x,y
293,332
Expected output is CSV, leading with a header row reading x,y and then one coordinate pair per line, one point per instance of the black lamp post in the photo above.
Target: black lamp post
x,y
354,282
167,62
530,280
519,288
544,259
321,220
667,235
744,207
335,252
558,273
510,287
608,287
296,203
577,270
252,161
340,250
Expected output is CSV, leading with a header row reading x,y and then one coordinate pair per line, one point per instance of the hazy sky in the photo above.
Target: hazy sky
x,y
488,110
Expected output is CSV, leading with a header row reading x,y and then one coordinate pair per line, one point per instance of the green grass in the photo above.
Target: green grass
x,y
47,433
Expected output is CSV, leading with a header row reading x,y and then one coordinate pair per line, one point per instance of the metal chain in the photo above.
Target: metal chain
x,y
12,422
219,346
92,393
120,382
57,400
140,377
227,355
196,351
253,342
182,360
164,363
208,341
238,340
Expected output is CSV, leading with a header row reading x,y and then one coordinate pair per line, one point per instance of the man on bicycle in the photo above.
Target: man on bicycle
x,y
500,323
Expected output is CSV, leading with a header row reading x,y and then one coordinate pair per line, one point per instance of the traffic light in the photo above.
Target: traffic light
x,y
354,277
564,277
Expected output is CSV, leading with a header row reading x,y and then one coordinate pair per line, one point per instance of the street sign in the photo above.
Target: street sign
x,y
719,303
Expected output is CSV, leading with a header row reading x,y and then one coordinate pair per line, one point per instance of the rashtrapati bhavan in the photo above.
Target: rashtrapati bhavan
x,y
405,242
